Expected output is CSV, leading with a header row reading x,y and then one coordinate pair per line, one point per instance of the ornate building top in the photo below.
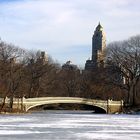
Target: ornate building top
x,y
99,27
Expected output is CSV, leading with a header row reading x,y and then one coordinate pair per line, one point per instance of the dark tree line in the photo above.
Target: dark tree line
x,y
31,74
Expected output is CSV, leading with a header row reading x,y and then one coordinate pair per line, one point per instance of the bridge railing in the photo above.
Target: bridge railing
x,y
7,100
59,98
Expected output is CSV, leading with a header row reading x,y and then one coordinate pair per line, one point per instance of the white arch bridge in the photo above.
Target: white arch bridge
x,y
25,104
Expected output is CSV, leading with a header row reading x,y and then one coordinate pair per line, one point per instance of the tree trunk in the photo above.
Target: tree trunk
x,y
11,103
2,106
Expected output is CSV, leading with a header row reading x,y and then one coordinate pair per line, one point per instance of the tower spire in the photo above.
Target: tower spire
x,y
99,27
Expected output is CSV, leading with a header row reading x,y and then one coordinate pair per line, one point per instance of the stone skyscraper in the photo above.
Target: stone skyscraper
x,y
98,47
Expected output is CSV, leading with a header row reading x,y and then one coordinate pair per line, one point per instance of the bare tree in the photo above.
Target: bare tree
x,y
124,57
10,69
69,81
39,74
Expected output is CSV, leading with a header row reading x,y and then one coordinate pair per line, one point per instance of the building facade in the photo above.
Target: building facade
x,y
98,48
69,66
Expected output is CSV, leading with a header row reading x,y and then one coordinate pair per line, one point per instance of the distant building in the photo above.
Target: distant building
x,y
98,47
69,66
41,60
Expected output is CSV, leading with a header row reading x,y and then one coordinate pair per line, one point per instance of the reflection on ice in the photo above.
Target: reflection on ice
x,y
9,119
17,132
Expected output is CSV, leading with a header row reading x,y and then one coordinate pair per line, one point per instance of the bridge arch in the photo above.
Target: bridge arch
x,y
80,101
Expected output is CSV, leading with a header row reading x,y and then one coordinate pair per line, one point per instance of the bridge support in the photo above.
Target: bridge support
x,y
114,106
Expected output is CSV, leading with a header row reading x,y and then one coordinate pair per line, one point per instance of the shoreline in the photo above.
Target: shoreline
x,y
127,110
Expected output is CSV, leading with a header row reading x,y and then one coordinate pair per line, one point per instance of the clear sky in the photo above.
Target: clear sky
x,y
64,28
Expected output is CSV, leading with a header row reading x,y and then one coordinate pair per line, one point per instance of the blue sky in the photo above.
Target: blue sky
x,y
64,28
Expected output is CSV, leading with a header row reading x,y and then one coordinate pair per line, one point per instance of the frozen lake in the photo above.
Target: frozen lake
x,y
69,125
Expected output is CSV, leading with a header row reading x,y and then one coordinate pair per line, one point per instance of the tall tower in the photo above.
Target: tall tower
x,y
98,44
98,47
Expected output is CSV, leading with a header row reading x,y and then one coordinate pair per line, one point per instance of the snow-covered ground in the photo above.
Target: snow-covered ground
x,y
69,125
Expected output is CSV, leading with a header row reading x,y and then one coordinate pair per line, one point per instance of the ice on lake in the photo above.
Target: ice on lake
x,y
69,125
